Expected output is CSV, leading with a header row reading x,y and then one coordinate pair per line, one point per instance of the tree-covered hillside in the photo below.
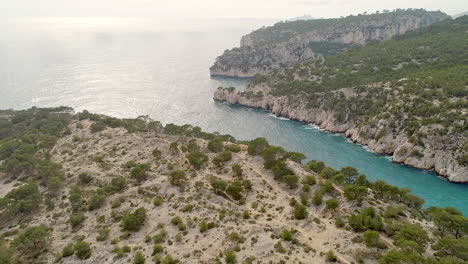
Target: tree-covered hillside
x,y
285,30
438,47
427,70
407,97
289,43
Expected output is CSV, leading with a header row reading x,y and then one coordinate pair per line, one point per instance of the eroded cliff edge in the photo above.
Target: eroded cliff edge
x,y
435,155
288,43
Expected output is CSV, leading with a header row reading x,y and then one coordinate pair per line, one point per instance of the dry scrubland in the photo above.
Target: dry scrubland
x,y
150,197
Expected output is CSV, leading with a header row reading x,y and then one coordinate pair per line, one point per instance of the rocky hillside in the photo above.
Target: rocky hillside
x,y
288,43
406,97
86,188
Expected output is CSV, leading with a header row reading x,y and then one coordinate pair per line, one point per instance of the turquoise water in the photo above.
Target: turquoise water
x,y
128,67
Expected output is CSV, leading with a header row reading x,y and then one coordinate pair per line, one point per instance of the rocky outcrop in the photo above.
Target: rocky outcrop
x,y
288,43
434,156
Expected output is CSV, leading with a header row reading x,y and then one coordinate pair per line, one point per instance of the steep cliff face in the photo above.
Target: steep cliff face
x,y
435,155
288,43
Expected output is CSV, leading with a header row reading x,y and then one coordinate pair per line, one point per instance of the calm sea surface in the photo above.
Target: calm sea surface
x,y
128,67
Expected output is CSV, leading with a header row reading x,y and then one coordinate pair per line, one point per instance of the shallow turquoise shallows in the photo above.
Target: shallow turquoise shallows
x,y
130,67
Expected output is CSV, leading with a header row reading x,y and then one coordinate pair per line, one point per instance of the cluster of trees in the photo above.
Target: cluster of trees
x,y
234,189
140,124
367,219
23,134
21,201
139,171
134,221
275,159
145,124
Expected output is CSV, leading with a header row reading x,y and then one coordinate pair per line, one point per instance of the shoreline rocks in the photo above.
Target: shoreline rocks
x,y
394,144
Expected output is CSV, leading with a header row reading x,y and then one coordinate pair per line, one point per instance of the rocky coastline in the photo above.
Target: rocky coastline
x,y
395,144
289,43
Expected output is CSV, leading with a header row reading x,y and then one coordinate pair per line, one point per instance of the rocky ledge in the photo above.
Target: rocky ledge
x,y
434,156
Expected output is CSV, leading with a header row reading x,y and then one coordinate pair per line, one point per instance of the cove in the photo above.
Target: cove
x,y
337,152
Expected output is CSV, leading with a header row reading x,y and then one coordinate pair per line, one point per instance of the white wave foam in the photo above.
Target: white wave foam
x,y
279,117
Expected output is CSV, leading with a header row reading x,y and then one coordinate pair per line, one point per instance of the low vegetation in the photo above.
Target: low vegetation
x,y
245,204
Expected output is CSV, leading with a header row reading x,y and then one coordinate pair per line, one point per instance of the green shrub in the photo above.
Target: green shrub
x,y
366,219
371,238
133,221
76,198
34,239
230,257
246,214
97,127
103,234
82,250
117,184
197,159
355,192
317,198
331,257
139,172
316,166
234,189
76,219
237,169
256,146
157,249
414,233
393,211
327,173
309,180
449,246
332,204
139,258
22,200
291,180
232,147
339,222
218,184
168,259
157,201
177,177
192,146
68,250
304,198
216,145
300,211
287,235
327,187
96,201
205,226
156,153
222,157
85,178
174,148
176,220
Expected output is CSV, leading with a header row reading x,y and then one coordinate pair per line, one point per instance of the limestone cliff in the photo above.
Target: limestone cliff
x,y
437,153
288,43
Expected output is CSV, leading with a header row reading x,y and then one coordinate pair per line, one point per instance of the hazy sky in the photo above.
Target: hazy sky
x,y
217,8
